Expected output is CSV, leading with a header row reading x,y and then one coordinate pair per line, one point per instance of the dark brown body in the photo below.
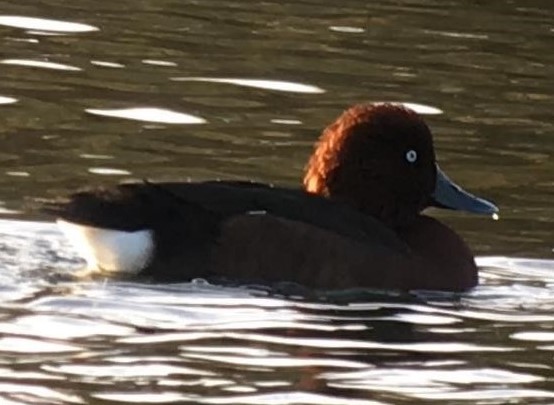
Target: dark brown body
x,y
253,232
274,249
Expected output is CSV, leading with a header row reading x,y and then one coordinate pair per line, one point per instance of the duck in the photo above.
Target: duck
x,y
356,222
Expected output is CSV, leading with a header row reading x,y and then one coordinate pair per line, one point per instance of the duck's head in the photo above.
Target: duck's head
x,y
380,159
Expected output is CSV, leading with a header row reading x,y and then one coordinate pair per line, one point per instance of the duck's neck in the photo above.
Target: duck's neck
x,y
385,209
442,250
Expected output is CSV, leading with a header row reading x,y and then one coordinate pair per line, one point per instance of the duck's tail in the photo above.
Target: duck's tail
x,y
136,228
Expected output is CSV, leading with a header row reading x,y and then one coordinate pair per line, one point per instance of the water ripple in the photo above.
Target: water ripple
x,y
43,24
149,114
39,64
277,85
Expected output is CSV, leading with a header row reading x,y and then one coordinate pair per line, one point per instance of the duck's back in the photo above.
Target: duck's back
x,y
143,205
185,220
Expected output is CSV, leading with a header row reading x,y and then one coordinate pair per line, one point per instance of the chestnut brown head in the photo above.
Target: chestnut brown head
x,y
378,158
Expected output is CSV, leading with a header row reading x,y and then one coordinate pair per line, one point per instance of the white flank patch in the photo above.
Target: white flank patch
x,y
109,249
149,114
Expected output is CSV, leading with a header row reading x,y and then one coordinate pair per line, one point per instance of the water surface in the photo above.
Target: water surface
x,y
98,92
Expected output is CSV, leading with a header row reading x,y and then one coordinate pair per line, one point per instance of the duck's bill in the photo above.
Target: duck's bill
x,y
449,195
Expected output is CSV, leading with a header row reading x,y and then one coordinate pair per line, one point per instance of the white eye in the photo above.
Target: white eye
x,y
411,156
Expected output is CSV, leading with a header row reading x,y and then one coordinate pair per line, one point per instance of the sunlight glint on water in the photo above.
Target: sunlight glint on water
x,y
42,24
93,91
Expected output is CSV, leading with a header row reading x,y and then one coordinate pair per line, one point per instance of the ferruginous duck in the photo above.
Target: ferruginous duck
x,y
357,223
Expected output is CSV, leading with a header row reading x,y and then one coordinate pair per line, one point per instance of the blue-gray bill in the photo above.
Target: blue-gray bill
x,y
449,195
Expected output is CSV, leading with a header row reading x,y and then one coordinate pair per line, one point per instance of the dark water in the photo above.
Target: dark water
x,y
241,90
